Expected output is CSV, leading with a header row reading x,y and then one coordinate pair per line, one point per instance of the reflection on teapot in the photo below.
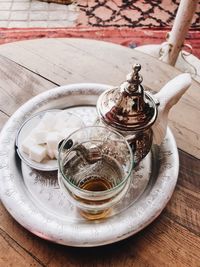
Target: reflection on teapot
x,y
138,115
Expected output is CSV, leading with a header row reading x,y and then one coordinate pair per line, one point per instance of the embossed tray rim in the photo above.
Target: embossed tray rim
x,y
86,234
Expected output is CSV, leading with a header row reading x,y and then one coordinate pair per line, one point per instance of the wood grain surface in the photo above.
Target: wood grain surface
x,y
173,239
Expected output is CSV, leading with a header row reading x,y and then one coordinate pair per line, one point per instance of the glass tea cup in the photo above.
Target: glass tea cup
x,y
95,164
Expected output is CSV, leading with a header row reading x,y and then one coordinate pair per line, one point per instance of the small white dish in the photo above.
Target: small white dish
x,y
47,164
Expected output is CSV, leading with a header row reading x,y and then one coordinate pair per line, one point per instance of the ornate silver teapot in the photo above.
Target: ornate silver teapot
x,y
138,115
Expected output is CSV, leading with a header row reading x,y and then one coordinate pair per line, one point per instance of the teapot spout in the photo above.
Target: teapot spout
x,y
167,97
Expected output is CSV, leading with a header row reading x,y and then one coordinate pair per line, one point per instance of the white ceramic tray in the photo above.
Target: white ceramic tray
x,y
35,200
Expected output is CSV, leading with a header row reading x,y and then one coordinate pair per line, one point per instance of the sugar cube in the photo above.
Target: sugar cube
x,y
53,139
40,136
37,152
27,143
56,153
50,153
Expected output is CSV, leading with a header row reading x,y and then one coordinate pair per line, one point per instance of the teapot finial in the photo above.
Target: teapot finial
x,y
133,79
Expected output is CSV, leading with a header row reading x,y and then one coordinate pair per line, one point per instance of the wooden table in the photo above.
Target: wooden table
x,y
30,67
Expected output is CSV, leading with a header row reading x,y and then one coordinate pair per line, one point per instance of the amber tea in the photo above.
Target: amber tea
x,y
95,184
101,175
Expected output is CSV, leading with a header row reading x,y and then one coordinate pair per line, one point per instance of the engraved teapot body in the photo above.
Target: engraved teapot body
x,y
138,115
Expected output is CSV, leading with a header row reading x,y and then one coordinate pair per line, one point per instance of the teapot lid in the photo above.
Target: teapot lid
x,y
128,107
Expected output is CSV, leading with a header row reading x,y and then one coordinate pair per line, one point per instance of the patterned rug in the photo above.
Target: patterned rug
x,y
135,22
127,22
131,13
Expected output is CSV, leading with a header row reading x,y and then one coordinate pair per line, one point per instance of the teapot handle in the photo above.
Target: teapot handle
x,y
167,97
171,92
